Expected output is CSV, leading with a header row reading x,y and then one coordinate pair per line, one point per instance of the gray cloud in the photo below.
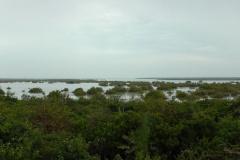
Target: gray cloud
x,y
110,38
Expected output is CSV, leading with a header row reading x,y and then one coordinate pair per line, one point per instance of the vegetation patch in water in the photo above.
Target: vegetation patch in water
x,y
94,90
134,88
116,90
35,90
103,83
79,92
65,90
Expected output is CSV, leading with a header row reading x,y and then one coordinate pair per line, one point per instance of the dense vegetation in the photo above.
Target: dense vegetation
x,y
94,90
116,89
103,83
58,127
35,90
133,88
65,90
79,92
141,85
2,92
165,86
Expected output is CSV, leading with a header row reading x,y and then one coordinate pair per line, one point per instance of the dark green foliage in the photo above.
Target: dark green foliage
x,y
65,90
35,90
156,83
73,81
166,86
23,142
79,92
115,90
155,94
219,90
103,83
94,90
140,137
58,127
55,94
134,88
51,117
117,83
142,85
111,91
2,92
181,95
98,96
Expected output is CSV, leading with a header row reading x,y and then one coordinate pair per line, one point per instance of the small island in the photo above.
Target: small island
x,y
35,90
79,92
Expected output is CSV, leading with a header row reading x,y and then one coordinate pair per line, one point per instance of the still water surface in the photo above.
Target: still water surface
x,y
20,88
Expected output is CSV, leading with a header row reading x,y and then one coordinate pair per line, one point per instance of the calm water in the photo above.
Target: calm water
x,y
20,88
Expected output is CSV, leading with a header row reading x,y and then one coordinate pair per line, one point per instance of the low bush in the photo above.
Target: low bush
x,y
79,92
35,90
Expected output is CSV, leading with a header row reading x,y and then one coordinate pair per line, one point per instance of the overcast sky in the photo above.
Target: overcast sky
x,y
119,39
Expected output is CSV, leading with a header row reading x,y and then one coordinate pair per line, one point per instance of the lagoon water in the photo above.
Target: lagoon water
x,y
20,88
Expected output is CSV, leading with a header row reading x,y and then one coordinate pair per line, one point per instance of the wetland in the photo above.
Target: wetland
x,y
117,119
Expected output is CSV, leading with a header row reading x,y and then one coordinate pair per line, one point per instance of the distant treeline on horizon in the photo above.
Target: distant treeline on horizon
x,y
195,78
92,79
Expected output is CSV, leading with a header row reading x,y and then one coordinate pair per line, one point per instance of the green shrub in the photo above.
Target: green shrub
x,y
35,90
166,86
103,83
2,92
79,92
111,91
155,94
181,95
94,90
51,117
65,90
98,96
57,95
134,88
142,85
116,89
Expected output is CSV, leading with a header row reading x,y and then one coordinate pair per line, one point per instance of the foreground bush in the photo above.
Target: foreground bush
x,y
58,127
2,92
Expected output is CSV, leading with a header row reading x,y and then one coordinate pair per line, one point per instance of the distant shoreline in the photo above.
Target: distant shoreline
x,y
196,78
98,80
